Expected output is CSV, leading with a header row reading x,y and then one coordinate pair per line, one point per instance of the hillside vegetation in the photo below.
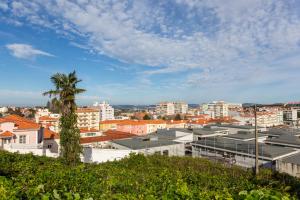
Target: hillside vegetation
x,y
137,177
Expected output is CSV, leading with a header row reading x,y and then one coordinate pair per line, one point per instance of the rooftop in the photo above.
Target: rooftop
x,y
245,147
244,135
285,140
144,142
20,122
107,136
295,159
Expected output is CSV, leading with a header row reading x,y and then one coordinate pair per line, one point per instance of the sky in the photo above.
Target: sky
x,y
144,52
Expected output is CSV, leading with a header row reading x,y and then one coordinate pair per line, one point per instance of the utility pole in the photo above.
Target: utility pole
x,y
256,141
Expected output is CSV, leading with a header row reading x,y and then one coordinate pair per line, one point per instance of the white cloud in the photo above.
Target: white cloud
x,y
25,51
3,6
225,41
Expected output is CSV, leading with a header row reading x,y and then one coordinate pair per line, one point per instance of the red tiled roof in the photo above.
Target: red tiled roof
x,y
21,122
88,130
108,136
86,110
47,118
141,122
6,134
48,134
176,122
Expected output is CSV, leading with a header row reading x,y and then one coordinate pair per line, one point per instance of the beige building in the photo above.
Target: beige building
x,y
171,108
88,118
216,109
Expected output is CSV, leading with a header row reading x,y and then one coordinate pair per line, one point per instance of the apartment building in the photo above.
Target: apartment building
x,y
180,107
171,108
264,118
141,127
291,115
107,112
216,109
88,118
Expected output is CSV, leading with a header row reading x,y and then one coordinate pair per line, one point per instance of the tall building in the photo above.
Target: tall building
x,y
107,112
216,109
88,118
165,108
180,107
171,108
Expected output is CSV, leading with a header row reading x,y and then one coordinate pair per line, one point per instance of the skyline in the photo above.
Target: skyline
x,y
144,52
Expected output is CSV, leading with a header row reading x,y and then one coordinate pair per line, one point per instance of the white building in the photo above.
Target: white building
x,y
216,109
180,107
171,108
3,109
107,112
291,116
88,118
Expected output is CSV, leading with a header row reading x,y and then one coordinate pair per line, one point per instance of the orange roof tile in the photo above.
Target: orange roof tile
x,y
86,110
141,122
21,122
47,118
7,134
176,122
48,134
88,130
108,136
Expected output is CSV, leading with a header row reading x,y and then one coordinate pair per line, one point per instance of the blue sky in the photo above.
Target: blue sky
x,y
143,52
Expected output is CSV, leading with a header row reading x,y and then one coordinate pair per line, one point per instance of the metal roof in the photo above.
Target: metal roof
x,y
243,147
144,142
243,135
295,159
285,140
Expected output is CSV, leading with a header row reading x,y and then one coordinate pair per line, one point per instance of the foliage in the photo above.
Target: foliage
x,y
135,177
177,117
64,98
146,117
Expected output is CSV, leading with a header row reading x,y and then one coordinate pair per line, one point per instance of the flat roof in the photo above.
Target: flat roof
x,y
243,135
144,142
208,131
244,147
234,126
285,140
295,159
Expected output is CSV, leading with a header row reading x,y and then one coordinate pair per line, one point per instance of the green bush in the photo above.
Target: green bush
x,y
136,177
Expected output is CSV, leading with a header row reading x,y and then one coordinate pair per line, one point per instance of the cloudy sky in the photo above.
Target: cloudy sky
x,y
142,52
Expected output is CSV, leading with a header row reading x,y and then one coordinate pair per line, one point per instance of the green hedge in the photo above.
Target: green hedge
x,y
137,177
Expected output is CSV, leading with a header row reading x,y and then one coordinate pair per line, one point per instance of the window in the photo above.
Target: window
x,y
49,146
22,139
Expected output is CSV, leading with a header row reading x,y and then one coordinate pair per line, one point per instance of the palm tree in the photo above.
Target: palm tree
x,y
63,97
64,92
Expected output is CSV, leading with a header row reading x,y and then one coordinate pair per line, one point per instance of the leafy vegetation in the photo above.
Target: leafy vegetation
x,y
64,96
137,177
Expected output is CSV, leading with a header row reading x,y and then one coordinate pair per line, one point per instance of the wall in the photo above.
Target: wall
x,y
289,168
104,155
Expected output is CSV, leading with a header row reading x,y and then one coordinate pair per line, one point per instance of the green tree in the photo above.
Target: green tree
x,y
177,117
146,117
63,96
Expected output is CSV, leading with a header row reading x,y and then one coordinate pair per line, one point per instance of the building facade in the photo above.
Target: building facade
x,y
106,111
88,118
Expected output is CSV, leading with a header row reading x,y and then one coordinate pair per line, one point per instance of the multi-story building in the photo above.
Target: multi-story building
x,y
106,111
165,108
171,108
216,109
88,118
291,116
264,119
141,127
180,107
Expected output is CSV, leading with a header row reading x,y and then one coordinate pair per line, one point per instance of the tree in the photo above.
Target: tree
x,y
63,96
146,117
177,117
